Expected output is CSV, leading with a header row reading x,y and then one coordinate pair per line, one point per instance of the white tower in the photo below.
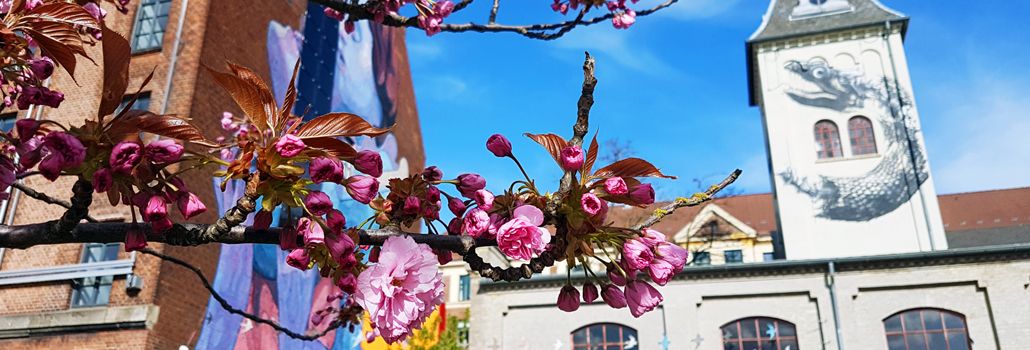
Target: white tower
x,y
849,169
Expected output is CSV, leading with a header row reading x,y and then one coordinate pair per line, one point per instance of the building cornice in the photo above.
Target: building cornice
x,y
91,319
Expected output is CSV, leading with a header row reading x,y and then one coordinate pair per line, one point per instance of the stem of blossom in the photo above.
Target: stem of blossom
x,y
523,170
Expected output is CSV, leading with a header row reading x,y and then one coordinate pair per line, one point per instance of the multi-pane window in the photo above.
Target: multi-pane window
x,y
142,102
702,258
151,20
733,256
860,130
7,121
464,288
759,333
607,336
926,329
827,140
93,291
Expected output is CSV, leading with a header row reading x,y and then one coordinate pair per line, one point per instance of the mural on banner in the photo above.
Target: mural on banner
x,y
340,72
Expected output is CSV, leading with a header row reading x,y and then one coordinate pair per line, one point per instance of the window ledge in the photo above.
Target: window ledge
x,y
66,272
842,159
78,320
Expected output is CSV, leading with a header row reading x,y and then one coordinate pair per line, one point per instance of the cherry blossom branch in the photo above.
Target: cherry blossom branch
x,y
694,200
233,310
45,198
549,31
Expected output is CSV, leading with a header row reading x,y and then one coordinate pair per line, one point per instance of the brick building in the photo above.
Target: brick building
x,y
78,296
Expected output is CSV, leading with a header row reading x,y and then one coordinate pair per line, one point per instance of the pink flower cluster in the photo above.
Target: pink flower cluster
x,y
661,259
623,17
401,290
430,14
332,235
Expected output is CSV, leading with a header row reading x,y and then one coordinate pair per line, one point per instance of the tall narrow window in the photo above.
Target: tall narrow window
x,y
607,336
151,20
926,329
759,333
860,129
94,291
465,288
827,140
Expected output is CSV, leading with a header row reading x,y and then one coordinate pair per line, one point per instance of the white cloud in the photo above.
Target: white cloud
x,y
687,10
755,178
444,87
617,46
984,145
424,50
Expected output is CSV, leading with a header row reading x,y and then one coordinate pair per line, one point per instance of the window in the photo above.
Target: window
x,y
733,256
926,329
142,102
759,333
465,288
860,129
607,336
151,19
7,121
702,258
827,140
94,291
463,334
768,256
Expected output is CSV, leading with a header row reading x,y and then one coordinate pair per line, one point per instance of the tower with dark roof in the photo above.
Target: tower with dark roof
x,y
848,165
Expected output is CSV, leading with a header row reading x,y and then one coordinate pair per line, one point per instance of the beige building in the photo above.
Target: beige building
x,y
853,249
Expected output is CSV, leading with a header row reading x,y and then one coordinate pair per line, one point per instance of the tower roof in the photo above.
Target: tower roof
x,y
794,18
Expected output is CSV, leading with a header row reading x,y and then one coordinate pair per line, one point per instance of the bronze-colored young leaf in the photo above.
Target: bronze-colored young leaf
x,y
338,124
552,143
588,163
61,12
289,100
333,146
170,126
255,103
117,54
63,54
631,167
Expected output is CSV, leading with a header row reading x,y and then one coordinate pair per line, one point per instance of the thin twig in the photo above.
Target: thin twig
x,y
493,11
694,200
45,198
228,307
549,31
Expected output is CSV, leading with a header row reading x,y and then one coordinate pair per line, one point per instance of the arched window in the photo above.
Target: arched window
x,y
827,140
926,329
860,129
605,336
759,333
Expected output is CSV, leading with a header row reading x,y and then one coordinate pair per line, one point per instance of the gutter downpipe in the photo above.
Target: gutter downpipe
x,y
831,285
908,138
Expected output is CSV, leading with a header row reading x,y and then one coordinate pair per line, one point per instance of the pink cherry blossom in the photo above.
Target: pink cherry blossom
x,y
124,157
340,247
42,68
289,146
163,151
362,188
637,254
323,169
189,204
642,297
156,208
402,290
484,199
299,259
521,237
311,230
571,158
30,151
64,151
615,186
476,222
102,180
336,221
593,206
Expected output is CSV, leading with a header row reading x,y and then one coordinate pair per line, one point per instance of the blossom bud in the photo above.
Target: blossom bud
x,y
589,292
362,188
190,204
311,230
369,162
135,240
411,205
324,169
163,151
102,180
613,296
468,184
299,259
262,220
336,221
456,205
568,299
593,206
432,174
642,194
615,186
484,199
124,157
42,67
318,203
641,297
499,145
156,209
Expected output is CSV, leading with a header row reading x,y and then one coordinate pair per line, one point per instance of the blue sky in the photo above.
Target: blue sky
x,y
674,86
